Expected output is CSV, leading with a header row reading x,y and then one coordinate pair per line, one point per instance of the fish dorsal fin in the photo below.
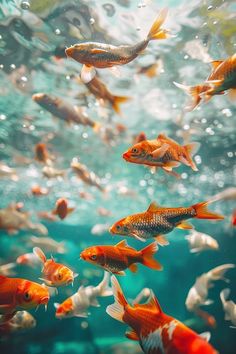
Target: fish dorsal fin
x,y
153,207
216,63
98,51
131,334
162,136
122,243
152,304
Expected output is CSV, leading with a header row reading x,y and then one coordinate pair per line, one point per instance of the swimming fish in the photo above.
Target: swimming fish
x,y
42,154
20,322
221,79
151,70
227,194
36,190
8,172
7,269
63,110
228,306
48,244
62,209
20,294
118,258
162,152
28,259
156,332
157,220
100,55
78,304
198,242
55,274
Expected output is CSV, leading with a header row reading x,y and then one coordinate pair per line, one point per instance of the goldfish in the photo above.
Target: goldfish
x,y
36,190
8,172
55,274
63,110
78,304
62,209
118,258
20,294
156,331
199,242
51,172
162,152
221,79
100,55
228,306
28,259
48,244
20,322
157,220
7,269
42,155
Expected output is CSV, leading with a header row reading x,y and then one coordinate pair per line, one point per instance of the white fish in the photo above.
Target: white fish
x,y
28,259
22,321
226,194
51,172
228,306
199,242
48,244
99,229
7,269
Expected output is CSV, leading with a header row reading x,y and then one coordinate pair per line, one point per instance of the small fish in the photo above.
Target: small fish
x,y
85,175
20,294
199,242
100,55
7,269
62,209
28,259
104,212
162,152
116,259
20,322
151,70
63,110
99,229
55,274
78,304
228,306
221,79
156,332
42,154
46,215
8,172
51,172
156,221
226,194
48,244
36,190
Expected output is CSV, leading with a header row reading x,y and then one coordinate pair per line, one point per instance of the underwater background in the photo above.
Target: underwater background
x,y
33,37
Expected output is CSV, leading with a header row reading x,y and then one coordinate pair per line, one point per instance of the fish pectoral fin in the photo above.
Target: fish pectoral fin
x,y
99,51
119,273
161,240
138,237
206,336
48,282
131,334
70,210
87,73
133,267
160,152
184,225
95,303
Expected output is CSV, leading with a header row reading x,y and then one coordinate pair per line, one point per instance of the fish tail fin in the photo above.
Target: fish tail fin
x,y
194,91
203,213
104,288
117,101
156,32
40,254
147,256
190,150
117,309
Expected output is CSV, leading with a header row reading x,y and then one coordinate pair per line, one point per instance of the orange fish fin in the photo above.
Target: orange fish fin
x,y
70,210
216,63
87,73
99,51
153,207
195,92
46,281
122,243
117,309
39,253
191,149
185,226
153,304
203,213
169,165
131,334
133,267
147,256
138,237
152,71
161,240
117,100
232,94
122,273
156,32
160,152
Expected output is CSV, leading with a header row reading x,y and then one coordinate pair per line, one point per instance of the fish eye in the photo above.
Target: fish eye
x,y
134,150
27,296
118,227
93,257
59,276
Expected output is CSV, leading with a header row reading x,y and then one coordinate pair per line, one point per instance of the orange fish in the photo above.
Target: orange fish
x,y
39,191
221,79
100,55
62,209
116,259
42,154
54,274
162,152
20,294
156,332
157,220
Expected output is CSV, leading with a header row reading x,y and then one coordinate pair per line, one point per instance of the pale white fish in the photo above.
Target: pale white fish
x,y
198,242
51,172
142,296
226,194
8,172
7,269
21,321
99,229
228,306
28,259
48,244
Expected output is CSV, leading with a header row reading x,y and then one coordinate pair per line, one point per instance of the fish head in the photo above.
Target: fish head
x,y
40,98
64,310
63,276
137,153
93,255
30,295
78,52
121,227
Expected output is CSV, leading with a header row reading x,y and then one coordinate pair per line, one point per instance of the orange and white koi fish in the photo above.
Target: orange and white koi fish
x,y
100,55
116,259
157,220
62,209
221,79
78,304
8,172
198,242
21,322
162,152
156,332
48,244
54,274
36,190
42,154
20,294
28,259
229,307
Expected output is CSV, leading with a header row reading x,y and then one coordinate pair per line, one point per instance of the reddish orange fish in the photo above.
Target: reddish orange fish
x,y
221,79
62,209
116,259
20,294
42,154
54,274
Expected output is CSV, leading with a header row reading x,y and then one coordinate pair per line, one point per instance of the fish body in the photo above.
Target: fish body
x,y
118,258
48,244
199,242
229,306
159,220
42,155
88,177
78,304
226,194
156,332
20,322
162,152
62,209
54,274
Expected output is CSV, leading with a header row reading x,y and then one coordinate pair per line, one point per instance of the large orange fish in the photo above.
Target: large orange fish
x,y
156,332
221,79
54,274
20,294
162,152
116,259
157,220
62,209
100,55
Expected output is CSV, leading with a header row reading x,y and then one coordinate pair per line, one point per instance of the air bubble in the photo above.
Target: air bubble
x,y
210,8
91,21
3,117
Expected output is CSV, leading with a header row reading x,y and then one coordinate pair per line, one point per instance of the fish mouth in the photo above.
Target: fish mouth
x,y
69,51
111,230
37,97
82,256
126,156
44,300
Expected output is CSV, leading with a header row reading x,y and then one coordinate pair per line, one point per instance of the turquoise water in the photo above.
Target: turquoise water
x,y
31,37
